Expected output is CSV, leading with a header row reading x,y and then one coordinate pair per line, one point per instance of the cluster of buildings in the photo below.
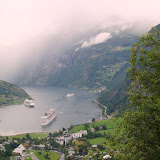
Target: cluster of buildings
x,y
65,138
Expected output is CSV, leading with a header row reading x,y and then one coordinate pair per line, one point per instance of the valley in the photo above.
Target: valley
x,y
103,83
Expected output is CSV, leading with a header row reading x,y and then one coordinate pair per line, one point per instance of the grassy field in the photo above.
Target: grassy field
x,y
28,158
106,131
77,129
97,140
110,128
33,135
28,151
109,123
42,155
100,141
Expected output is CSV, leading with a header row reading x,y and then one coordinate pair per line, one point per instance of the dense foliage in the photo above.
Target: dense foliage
x,y
3,155
116,98
139,133
10,147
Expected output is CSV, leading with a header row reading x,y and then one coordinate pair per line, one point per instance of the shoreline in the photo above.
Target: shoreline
x,y
103,107
18,134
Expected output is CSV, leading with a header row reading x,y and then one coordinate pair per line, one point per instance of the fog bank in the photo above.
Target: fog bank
x,y
34,28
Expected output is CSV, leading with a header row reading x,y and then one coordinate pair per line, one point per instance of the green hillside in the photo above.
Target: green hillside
x,y
11,94
96,67
116,98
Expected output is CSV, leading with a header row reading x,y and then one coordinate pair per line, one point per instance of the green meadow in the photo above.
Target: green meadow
x,y
109,123
39,135
43,155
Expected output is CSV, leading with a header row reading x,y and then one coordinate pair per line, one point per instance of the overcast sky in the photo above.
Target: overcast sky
x,y
24,21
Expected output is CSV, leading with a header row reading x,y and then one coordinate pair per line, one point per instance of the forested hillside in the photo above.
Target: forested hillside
x,y
97,67
117,97
11,94
137,136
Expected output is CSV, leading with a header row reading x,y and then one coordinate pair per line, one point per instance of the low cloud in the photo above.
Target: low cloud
x,y
99,38
38,28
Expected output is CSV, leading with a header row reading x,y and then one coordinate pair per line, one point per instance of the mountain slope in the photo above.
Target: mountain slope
x,y
11,94
96,67
116,98
91,62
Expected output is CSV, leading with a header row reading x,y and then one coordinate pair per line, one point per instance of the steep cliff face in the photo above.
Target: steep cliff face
x,y
11,94
40,69
116,98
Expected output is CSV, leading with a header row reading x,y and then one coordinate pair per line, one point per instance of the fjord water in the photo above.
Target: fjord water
x,y
77,109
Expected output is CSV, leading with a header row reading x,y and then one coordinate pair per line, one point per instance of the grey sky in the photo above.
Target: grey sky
x,y
22,20
28,25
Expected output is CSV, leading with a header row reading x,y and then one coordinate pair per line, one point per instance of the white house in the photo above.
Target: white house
x,y
106,156
68,137
92,130
19,150
94,146
79,134
83,131
63,139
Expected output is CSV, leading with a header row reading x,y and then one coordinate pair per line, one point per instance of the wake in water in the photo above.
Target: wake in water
x,y
61,112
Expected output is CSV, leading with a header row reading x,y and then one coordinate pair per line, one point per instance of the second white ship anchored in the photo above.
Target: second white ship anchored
x,y
48,117
70,94
29,103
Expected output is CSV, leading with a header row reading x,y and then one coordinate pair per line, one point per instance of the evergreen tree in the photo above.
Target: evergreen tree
x,y
139,133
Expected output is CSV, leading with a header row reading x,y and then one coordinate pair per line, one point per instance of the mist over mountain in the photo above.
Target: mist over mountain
x,y
89,56
116,98
36,31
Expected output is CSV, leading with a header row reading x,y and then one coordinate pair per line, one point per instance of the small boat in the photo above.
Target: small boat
x,y
70,94
29,103
48,117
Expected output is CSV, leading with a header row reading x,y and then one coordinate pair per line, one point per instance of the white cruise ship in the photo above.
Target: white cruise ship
x,y
48,117
29,103
70,94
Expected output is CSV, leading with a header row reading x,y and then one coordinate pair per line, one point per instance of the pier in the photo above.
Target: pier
x,y
105,109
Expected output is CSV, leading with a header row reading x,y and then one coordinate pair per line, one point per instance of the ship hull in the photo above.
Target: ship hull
x,y
31,106
29,103
49,122
48,117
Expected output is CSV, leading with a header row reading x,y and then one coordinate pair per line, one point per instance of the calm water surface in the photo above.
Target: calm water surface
x,y
77,109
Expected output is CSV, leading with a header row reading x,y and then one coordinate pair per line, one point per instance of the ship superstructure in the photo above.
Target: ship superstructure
x,y
48,117
29,103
